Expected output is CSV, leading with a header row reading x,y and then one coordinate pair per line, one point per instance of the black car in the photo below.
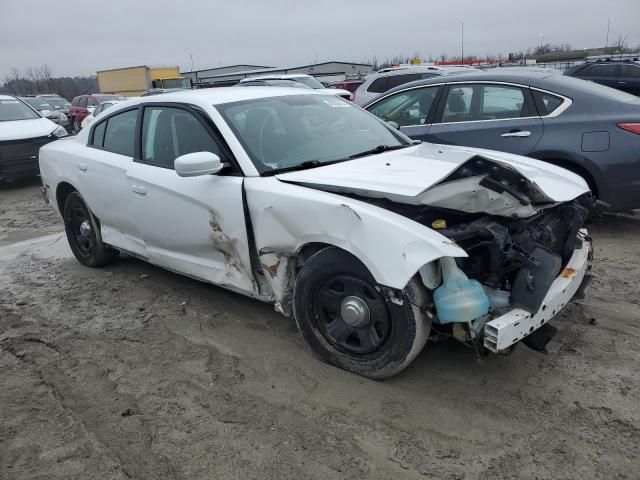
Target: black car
x,y
589,129
619,74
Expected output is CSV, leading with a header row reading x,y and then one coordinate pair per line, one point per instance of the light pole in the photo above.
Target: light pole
x,y
462,48
541,41
606,45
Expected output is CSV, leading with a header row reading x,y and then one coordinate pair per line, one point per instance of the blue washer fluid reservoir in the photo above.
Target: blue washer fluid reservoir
x,y
458,299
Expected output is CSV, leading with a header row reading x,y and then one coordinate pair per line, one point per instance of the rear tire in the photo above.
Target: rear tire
x,y
83,233
348,322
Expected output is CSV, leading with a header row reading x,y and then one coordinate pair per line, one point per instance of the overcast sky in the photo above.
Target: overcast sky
x,y
78,37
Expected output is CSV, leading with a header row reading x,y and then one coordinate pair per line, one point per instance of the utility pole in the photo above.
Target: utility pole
x,y
191,56
606,45
462,52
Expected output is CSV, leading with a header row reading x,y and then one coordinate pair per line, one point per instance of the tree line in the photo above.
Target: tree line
x,y
36,80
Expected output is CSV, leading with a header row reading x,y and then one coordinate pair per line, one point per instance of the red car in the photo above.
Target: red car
x,y
350,85
83,105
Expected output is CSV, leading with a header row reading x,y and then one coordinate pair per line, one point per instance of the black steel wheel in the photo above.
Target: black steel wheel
x,y
83,233
349,321
352,315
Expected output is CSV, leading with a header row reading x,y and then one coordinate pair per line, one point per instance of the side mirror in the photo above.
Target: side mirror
x,y
197,164
393,125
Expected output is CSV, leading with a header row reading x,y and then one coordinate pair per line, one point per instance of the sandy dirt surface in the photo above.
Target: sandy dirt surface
x,y
133,372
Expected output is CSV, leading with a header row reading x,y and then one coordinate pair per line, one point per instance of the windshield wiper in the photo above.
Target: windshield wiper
x,y
301,166
378,149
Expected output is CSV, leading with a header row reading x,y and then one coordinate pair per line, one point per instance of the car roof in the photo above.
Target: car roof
x,y
8,97
222,95
436,70
277,76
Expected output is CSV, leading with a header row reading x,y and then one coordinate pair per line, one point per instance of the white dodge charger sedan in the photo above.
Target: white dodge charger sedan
x,y
304,200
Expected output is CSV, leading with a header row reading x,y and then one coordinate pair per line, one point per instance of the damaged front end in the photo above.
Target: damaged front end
x,y
529,268
528,256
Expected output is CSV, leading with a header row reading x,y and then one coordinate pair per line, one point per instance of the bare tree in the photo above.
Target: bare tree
x,y
621,45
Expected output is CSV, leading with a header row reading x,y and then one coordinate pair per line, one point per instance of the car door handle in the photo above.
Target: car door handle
x,y
82,167
517,134
139,189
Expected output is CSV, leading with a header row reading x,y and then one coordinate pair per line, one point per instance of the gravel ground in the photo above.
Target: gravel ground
x,y
134,372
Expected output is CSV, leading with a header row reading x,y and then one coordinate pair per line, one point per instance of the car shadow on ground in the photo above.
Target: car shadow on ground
x,y
18,183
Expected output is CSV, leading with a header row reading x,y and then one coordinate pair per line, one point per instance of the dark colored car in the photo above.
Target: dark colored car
x,y
584,127
622,75
82,105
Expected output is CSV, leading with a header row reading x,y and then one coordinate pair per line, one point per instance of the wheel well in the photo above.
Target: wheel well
x,y
579,170
62,192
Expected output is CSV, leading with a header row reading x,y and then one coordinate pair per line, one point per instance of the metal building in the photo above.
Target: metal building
x,y
230,75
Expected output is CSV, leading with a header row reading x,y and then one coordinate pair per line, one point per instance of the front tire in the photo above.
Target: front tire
x,y
83,233
75,126
348,320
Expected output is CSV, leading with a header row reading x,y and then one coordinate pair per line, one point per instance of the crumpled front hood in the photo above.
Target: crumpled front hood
x,y
23,129
419,175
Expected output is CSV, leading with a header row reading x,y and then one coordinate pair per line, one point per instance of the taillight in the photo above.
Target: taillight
x,y
630,127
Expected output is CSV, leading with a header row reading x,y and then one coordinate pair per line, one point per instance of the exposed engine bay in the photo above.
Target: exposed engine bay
x,y
515,259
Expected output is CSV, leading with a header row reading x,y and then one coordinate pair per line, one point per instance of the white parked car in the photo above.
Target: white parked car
x,y
303,78
23,131
88,120
305,200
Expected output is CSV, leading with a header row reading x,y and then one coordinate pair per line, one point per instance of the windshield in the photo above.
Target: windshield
x,y
58,102
283,132
39,104
13,109
309,82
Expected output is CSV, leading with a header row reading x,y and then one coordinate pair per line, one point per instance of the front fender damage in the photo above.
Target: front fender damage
x,y
286,218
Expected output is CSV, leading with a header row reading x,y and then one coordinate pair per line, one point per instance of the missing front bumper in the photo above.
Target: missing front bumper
x,y
508,329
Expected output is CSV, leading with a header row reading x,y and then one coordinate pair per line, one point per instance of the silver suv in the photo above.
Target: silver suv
x,y
386,79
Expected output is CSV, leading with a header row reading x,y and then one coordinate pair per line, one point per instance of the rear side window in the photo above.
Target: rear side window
x,y
630,71
472,103
379,85
546,102
82,102
98,134
396,80
119,134
168,133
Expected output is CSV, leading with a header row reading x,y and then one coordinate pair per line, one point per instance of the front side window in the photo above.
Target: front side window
x,y
82,102
603,71
287,131
14,109
120,132
168,133
406,108
484,102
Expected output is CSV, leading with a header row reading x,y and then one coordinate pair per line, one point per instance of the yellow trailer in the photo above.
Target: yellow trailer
x,y
134,81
